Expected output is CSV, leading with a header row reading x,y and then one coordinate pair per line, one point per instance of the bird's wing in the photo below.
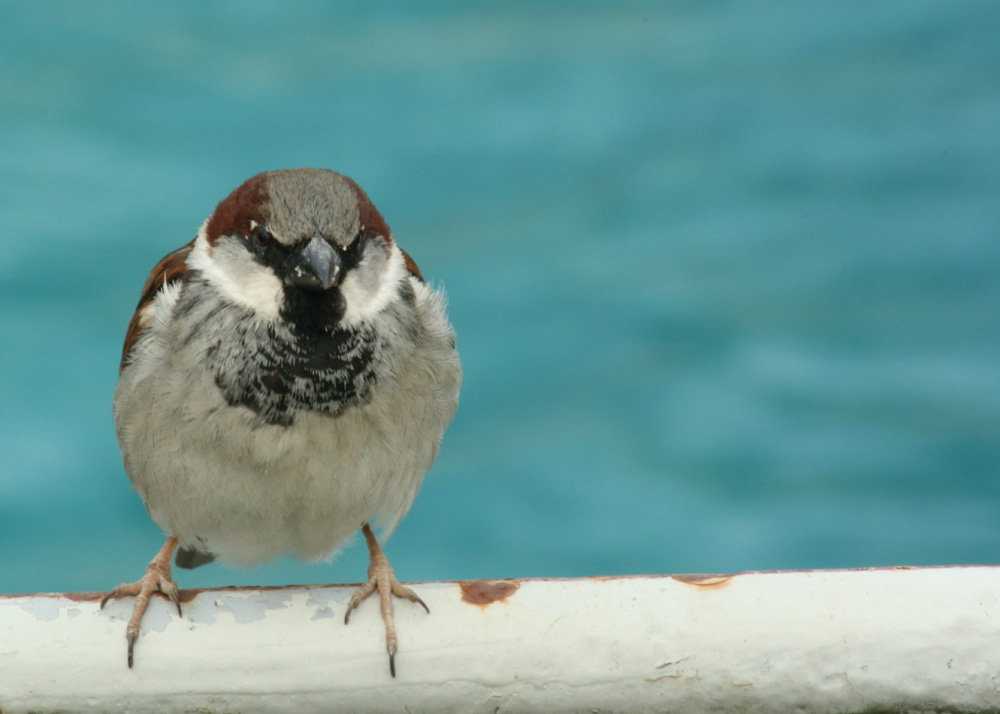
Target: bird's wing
x,y
172,268
411,266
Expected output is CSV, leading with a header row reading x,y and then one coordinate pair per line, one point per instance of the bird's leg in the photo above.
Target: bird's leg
x,y
381,577
158,576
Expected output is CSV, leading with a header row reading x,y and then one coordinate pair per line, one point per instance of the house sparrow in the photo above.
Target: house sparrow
x,y
286,378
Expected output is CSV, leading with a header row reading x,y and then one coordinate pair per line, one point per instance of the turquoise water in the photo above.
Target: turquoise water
x,y
726,276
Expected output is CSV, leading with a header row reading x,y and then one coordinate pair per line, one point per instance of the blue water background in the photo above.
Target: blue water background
x,y
726,276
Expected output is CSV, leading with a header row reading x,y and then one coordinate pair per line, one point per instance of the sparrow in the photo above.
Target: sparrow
x,y
285,381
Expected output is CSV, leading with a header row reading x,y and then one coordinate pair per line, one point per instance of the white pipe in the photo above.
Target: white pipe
x,y
922,639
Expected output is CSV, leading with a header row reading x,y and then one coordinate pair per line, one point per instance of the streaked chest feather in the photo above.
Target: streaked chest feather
x,y
277,373
279,369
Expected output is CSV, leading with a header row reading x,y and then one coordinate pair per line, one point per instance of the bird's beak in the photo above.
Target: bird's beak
x,y
315,266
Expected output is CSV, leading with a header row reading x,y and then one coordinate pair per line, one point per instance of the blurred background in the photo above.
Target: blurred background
x,y
726,276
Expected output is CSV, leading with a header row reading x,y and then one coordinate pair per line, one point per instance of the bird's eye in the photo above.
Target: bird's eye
x,y
355,242
261,236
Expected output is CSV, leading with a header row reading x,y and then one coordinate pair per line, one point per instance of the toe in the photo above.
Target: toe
x,y
169,588
400,590
360,594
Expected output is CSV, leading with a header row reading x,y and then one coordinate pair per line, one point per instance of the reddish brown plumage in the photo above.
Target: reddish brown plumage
x,y
411,266
235,211
171,268
371,220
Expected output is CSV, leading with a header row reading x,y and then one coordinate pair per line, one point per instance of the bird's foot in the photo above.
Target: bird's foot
x,y
158,576
382,578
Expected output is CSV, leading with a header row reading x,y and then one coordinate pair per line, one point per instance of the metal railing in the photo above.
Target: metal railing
x,y
893,639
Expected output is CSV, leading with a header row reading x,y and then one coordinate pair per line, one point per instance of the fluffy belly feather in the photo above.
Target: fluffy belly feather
x,y
250,492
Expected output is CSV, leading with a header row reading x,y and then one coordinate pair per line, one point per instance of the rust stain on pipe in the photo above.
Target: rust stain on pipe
x,y
80,596
487,592
704,580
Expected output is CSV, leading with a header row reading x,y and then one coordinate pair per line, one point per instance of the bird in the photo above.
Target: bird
x,y
285,381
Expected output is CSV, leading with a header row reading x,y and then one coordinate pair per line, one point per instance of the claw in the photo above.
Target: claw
x,y
359,595
400,590
157,577
131,637
381,578
169,588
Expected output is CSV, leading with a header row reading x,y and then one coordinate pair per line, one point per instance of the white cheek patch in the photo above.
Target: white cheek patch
x,y
230,269
372,285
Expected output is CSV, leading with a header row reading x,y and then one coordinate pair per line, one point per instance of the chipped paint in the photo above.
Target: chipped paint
x,y
323,600
487,592
244,607
323,613
43,609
